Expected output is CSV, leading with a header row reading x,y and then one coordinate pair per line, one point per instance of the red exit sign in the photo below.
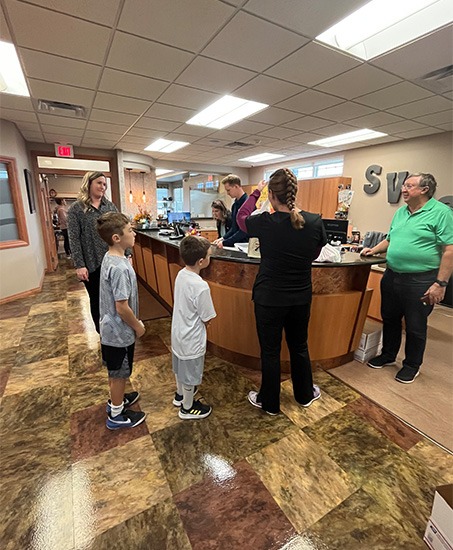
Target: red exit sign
x,y
64,151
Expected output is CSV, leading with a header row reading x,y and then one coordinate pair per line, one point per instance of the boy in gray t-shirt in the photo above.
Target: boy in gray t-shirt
x,y
119,325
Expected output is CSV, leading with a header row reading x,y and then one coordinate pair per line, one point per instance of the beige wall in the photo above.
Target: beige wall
x,y
21,269
373,212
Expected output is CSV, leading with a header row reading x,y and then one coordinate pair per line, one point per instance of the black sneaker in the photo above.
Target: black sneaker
x,y
127,419
380,361
407,375
177,401
129,399
196,411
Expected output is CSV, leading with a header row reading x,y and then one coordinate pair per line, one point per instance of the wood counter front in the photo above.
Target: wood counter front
x,y
339,307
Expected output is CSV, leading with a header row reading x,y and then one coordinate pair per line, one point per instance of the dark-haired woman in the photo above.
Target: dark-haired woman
x,y
87,247
222,216
290,240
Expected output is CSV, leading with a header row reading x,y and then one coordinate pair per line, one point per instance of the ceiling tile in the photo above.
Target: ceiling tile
x,y
170,112
9,101
245,36
426,131
359,81
304,16
101,11
40,29
32,136
345,111
190,98
5,35
278,133
374,120
55,120
426,106
436,119
249,127
267,90
194,131
98,143
312,64
308,123
120,103
398,94
274,115
59,69
138,55
48,129
447,127
100,115
15,115
106,135
336,130
309,102
208,74
403,126
131,85
175,22
108,128
156,124
59,92
61,138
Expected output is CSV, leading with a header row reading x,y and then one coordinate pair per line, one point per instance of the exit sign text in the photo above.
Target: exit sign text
x,y
64,151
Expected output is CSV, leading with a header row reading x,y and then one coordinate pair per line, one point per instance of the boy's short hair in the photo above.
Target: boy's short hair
x,y
232,179
193,248
111,223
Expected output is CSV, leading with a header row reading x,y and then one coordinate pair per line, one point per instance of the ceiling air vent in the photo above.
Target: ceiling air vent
x,y
438,81
239,145
62,109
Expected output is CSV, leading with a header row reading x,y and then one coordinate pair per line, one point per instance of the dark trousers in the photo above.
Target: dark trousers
x,y
270,322
401,293
67,248
92,286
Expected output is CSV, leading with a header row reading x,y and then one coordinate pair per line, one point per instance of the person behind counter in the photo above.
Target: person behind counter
x,y
222,216
233,188
290,240
87,247
419,258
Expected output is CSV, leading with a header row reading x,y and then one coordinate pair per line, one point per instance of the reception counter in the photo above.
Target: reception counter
x,y
339,308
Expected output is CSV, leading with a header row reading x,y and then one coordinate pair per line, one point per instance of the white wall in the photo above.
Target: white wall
x,y
21,269
373,212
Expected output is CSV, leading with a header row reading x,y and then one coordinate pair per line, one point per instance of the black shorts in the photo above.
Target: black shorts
x,y
119,361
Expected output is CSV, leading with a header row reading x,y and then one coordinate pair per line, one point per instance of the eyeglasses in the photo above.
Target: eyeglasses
x,y
410,186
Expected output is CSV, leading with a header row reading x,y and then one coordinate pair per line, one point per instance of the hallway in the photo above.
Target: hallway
x,y
343,474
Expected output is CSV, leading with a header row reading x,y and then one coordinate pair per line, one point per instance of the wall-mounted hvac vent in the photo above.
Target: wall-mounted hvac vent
x,y
438,81
239,145
62,109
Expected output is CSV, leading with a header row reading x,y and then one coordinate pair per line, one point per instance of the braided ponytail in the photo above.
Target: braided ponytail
x,y
283,183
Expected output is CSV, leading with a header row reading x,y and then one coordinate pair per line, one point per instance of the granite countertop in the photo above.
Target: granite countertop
x,y
347,259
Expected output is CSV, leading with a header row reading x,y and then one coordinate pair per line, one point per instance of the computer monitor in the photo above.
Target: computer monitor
x,y
178,217
337,230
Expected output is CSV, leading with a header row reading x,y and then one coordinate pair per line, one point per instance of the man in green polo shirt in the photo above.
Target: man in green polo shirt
x,y
419,250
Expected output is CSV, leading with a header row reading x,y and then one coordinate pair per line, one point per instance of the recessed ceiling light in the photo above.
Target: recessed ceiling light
x,y
166,146
382,25
12,79
161,171
226,111
350,137
262,157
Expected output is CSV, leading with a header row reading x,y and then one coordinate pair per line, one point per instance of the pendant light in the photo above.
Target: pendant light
x,y
131,198
143,185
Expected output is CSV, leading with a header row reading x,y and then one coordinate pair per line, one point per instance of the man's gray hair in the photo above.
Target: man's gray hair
x,y
426,180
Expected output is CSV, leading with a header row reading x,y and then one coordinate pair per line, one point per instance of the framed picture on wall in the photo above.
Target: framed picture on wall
x,y
30,191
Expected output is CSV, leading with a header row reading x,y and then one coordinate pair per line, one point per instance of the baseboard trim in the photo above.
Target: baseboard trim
x,y
25,294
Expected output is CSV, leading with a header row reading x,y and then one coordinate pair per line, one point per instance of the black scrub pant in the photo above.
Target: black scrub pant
x,y
92,286
270,322
400,297
67,248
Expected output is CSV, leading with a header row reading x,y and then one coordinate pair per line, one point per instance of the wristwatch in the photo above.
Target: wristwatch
x,y
441,283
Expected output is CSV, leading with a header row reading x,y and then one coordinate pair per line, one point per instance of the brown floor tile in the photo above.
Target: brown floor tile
x,y
239,513
149,345
18,308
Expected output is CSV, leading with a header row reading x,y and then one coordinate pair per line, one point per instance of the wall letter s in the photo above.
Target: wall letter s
x,y
375,182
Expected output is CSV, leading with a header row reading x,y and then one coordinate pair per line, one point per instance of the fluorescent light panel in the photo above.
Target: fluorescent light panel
x,y
166,146
350,137
162,171
225,112
383,25
262,157
12,79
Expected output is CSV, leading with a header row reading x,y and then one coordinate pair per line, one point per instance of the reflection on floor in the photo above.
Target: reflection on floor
x,y
343,474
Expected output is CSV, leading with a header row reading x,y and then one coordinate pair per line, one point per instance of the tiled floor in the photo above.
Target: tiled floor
x,y
343,474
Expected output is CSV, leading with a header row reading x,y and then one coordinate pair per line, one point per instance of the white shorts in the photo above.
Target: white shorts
x,y
188,371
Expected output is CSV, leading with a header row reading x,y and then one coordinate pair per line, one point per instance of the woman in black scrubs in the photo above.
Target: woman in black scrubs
x,y
222,216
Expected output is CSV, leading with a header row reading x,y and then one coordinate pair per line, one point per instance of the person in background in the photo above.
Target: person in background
x,y
419,250
290,240
192,311
119,324
62,215
222,216
87,247
233,188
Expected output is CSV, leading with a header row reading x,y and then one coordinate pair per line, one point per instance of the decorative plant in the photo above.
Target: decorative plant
x,y
143,216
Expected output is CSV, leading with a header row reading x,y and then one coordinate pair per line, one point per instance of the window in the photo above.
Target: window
x,y
162,199
315,169
13,229
178,199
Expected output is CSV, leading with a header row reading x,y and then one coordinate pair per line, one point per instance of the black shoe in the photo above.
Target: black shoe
x,y
380,361
127,419
407,375
177,401
196,411
129,399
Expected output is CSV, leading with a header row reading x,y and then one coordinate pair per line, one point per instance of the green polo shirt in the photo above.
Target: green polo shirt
x,y
416,240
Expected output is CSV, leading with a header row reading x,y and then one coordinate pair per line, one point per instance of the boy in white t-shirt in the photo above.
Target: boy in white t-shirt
x,y
192,311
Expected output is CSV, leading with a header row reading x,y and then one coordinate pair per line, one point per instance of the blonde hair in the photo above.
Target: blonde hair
x,y
232,179
84,193
283,184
